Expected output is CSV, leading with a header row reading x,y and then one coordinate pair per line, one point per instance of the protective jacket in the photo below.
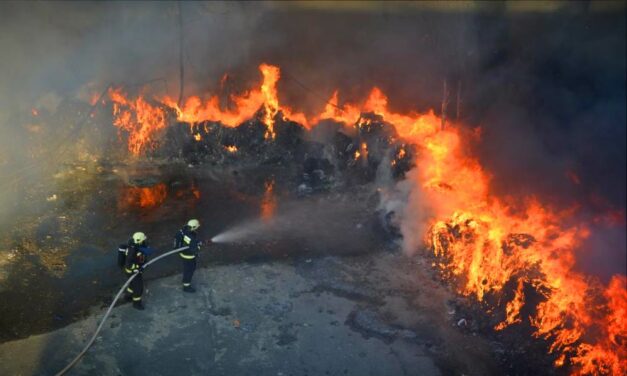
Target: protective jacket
x,y
136,256
185,237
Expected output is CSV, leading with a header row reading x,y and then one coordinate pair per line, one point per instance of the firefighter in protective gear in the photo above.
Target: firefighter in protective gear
x,y
187,237
137,253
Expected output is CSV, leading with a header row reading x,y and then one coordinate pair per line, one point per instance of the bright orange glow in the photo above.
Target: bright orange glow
x,y
271,101
268,201
482,242
143,197
195,192
512,309
231,148
401,153
139,119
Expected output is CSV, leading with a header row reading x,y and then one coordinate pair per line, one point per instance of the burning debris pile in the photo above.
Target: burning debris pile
x,y
260,131
515,257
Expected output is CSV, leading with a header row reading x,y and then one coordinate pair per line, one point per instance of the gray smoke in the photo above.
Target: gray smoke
x,y
547,87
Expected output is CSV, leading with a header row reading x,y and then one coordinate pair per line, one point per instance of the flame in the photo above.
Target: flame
x,y
364,149
139,119
231,148
192,193
401,153
348,114
196,193
513,307
483,243
143,197
271,102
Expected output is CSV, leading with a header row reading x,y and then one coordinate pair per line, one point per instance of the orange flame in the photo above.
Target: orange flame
x,y
139,119
271,102
231,148
401,153
143,197
482,241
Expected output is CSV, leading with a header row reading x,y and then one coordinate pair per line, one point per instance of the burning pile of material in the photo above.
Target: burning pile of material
x,y
490,248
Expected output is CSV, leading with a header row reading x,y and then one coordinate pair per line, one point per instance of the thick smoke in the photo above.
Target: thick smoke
x,y
547,87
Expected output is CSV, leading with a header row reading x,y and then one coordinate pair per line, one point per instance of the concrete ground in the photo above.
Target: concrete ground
x,y
378,314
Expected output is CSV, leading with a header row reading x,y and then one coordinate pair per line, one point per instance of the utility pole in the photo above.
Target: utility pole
x,y
181,65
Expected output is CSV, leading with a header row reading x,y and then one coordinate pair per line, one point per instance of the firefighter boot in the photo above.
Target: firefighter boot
x,y
138,305
189,288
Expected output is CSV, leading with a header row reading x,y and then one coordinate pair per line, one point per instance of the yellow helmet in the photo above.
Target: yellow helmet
x,y
193,224
139,237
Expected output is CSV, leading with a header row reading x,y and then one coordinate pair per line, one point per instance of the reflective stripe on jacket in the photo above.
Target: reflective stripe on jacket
x,y
187,238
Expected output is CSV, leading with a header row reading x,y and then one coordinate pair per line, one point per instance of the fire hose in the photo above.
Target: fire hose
x,y
128,281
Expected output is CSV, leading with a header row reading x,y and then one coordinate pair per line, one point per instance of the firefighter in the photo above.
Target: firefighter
x,y
187,237
137,253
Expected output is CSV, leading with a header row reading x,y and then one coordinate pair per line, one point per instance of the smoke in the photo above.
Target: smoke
x,y
339,224
546,87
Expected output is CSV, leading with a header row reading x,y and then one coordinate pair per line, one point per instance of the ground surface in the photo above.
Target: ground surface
x,y
376,314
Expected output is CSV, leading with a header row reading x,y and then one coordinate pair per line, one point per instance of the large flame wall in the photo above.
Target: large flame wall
x,y
483,242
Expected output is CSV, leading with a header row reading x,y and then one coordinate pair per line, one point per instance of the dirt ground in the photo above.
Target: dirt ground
x,y
376,314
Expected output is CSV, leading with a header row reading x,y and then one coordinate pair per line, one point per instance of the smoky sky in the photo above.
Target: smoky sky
x,y
546,88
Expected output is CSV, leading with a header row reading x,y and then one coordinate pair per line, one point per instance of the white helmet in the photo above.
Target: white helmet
x,y
139,237
193,224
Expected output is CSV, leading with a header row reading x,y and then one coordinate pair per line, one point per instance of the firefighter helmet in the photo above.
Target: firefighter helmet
x,y
193,224
139,237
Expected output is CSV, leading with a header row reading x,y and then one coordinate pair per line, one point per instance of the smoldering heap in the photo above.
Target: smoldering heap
x,y
517,266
